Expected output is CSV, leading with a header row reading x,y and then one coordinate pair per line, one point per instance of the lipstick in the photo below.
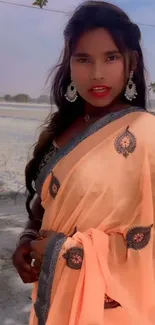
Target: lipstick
x,y
99,91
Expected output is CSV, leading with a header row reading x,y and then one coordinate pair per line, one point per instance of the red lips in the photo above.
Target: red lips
x,y
99,91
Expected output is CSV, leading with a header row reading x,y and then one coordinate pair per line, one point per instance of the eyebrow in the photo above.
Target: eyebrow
x,y
86,55
112,52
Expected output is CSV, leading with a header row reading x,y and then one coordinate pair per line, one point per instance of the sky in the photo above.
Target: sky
x,y
31,41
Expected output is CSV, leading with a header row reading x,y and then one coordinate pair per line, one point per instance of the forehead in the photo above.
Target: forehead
x,y
96,41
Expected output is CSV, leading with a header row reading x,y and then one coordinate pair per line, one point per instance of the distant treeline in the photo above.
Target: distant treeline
x,y
24,98
43,99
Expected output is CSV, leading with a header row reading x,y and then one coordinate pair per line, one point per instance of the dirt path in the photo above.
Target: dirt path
x,y
15,298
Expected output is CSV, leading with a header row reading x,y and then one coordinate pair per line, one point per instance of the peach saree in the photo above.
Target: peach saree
x,y
102,183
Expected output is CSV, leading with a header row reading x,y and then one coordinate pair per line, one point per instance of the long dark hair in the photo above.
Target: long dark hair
x,y
88,16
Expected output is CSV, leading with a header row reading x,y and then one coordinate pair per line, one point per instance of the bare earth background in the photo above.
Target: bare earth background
x,y
18,132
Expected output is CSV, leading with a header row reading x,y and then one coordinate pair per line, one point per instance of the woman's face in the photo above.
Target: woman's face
x,y
97,68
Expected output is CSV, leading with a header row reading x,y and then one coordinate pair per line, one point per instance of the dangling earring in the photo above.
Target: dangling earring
x,y
131,91
71,93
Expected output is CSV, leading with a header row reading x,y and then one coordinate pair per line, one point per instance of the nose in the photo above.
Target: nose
x,y
97,72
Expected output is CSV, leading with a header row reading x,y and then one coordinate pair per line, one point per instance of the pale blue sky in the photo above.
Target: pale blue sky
x,y
31,41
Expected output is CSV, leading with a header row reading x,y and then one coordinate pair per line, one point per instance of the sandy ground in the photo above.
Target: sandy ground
x,y
18,131
15,297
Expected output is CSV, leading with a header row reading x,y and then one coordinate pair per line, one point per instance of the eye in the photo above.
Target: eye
x,y
83,60
112,57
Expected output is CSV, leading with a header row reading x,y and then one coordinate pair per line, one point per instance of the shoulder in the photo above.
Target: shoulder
x,y
144,123
143,128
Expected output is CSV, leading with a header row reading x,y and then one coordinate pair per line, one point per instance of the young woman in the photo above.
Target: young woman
x,y
92,181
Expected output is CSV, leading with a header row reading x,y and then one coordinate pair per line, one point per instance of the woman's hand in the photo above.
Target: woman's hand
x,y
39,246
22,261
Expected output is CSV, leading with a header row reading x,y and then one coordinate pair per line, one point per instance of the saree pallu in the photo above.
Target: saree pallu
x,y
103,184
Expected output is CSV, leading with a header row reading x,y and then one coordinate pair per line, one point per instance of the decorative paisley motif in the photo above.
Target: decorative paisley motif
x,y
137,238
74,258
54,186
110,303
125,144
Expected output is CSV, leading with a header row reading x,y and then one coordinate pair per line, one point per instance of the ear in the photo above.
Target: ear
x,y
134,60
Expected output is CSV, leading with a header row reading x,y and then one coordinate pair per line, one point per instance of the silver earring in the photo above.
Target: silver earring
x,y
71,93
131,91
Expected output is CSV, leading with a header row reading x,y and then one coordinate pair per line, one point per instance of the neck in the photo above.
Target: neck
x,y
96,112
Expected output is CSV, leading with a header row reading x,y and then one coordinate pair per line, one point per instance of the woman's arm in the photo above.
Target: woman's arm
x,y
33,225
22,256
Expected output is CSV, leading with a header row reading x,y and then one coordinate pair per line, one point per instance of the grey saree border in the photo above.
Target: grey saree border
x,y
77,140
45,282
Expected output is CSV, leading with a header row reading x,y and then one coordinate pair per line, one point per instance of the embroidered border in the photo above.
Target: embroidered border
x,y
47,276
50,154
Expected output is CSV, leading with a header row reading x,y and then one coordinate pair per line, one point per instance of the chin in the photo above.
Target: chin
x,y
100,102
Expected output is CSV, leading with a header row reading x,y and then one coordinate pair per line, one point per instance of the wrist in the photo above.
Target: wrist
x,y
34,224
28,235
24,239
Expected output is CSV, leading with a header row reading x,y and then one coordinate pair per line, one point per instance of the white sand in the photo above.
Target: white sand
x,y
18,132
15,297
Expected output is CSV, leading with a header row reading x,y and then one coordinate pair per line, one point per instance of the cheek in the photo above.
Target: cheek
x,y
80,75
116,74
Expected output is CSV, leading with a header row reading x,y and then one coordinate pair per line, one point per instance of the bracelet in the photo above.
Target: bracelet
x,y
29,232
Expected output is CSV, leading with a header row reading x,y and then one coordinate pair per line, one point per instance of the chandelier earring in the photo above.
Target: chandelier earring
x,y
131,91
71,93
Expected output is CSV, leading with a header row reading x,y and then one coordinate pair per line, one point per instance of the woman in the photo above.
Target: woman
x,y
93,168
